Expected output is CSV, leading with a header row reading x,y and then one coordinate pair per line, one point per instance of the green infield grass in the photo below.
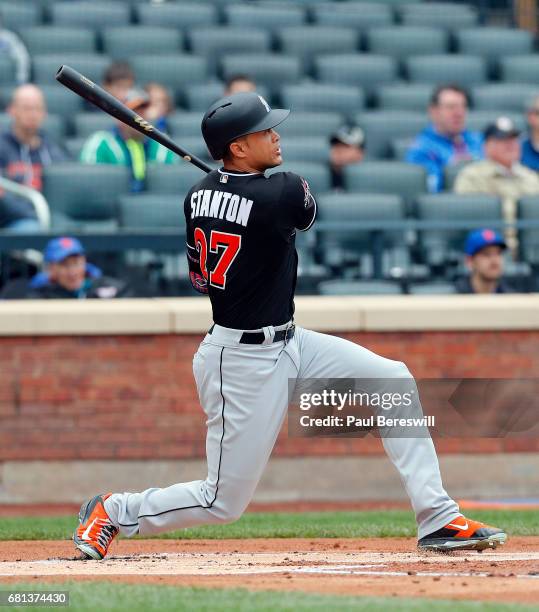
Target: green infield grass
x,y
140,598
381,523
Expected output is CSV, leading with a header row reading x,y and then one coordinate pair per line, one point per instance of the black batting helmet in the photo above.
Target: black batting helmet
x,y
237,115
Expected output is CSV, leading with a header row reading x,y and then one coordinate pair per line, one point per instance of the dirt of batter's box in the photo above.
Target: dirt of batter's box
x,y
369,566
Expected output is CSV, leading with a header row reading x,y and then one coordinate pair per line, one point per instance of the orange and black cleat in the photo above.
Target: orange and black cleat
x,y
463,534
95,531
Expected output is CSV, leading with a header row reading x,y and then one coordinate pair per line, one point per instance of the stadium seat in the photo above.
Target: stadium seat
x,y
323,97
519,69
95,14
147,211
493,44
381,127
451,172
404,41
196,146
7,71
340,247
368,71
199,96
216,42
408,97
432,288
407,180
124,42
19,15
309,123
176,71
87,123
74,146
528,209
49,39
398,147
507,96
308,149
439,14
352,15
184,15
442,245
44,67
465,70
175,179
317,175
185,123
271,69
268,17
365,287
306,42
85,193
479,119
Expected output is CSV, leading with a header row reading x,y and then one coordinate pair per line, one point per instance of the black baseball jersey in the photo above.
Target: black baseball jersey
x,y
241,231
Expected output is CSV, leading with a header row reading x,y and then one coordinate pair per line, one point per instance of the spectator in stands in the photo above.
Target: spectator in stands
x,y
118,79
530,145
446,140
12,46
501,173
347,147
484,258
123,145
161,105
24,150
239,83
68,275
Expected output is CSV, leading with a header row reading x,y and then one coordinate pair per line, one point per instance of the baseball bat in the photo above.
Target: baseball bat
x,y
87,89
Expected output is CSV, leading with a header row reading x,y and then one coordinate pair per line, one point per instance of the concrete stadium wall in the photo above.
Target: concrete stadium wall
x,y
104,387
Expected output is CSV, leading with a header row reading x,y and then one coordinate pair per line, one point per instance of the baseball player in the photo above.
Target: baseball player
x,y
241,228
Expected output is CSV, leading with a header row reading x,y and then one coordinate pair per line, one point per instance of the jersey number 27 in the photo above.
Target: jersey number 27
x,y
230,245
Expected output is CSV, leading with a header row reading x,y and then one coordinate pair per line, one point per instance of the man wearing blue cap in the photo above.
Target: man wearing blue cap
x,y
484,259
69,275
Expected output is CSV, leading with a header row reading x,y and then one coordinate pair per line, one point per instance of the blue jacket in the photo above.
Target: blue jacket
x,y
530,155
434,151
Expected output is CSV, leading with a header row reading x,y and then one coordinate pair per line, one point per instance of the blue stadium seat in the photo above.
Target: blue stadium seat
x,y
479,119
307,149
363,287
520,69
343,99
264,16
317,175
7,70
407,180
493,44
439,14
44,67
19,15
528,209
199,96
506,96
465,70
175,71
50,39
215,42
353,15
90,14
432,288
307,42
406,96
309,123
381,127
270,69
369,71
185,123
175,179
86,123
184,15
440,246
404,41
147,211
124,42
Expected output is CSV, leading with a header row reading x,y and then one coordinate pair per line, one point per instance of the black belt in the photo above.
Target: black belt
x,y
258,337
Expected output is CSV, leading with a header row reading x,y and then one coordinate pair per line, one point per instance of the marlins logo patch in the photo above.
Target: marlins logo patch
x,y
307,190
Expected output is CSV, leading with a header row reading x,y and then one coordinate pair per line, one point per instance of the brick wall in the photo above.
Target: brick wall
x,y
133,397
